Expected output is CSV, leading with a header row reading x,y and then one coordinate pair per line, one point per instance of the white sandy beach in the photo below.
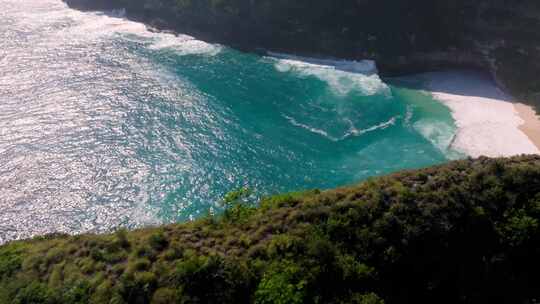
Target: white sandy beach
x,y
489,122
531,127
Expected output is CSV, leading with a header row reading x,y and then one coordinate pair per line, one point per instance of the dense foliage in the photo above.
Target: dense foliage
x,y
501,36
465,232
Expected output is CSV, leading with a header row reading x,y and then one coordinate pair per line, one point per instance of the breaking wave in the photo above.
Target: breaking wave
x,y
342,76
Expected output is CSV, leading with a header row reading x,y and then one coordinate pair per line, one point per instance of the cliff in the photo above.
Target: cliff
x,y
465,232
500,36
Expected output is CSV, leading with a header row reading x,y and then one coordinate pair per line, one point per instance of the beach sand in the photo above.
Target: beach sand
x,y
489,122
531,125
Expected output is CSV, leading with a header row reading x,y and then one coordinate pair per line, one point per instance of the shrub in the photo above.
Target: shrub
x,y
282,283
138,265
56,277
103,293
76,293
34,293
214,279
10,259
164,296
87,265
121,238
369,298
158,241
238,206
54,255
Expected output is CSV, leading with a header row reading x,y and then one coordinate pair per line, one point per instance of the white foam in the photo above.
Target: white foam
x,y
363,66
184,45
353,131
309,128
440,134
408,116
381,126
97,26
487,121
342,76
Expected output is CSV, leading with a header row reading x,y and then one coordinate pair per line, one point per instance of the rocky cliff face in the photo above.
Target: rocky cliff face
x,y
501,36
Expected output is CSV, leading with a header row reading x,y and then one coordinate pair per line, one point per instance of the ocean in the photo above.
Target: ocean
x,y
104,124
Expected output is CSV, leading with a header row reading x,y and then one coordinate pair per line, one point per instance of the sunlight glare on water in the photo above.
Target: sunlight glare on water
x,y
104,124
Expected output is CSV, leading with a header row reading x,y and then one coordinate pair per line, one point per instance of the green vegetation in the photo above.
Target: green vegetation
x,y
465,232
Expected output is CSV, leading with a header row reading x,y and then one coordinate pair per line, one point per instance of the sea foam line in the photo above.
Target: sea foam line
x,y
311,129
353,132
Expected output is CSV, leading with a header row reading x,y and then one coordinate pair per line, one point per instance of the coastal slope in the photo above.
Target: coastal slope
x,y
465,232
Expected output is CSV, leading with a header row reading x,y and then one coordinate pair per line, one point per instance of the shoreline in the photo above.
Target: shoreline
x,y
489,122
531,122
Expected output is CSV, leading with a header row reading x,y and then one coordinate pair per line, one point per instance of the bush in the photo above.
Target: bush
x,y
76,293
369,298
121,238
158,241
238,206
214,279
10,259
34,293
282,283
164,296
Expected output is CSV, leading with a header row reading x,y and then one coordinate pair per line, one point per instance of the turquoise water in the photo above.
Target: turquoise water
x,y
276,131
105,124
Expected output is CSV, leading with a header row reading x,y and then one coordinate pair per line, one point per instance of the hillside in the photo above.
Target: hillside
x,y
465,232
500,36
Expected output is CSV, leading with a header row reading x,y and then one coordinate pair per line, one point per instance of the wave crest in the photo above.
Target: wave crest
x,y
342,76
